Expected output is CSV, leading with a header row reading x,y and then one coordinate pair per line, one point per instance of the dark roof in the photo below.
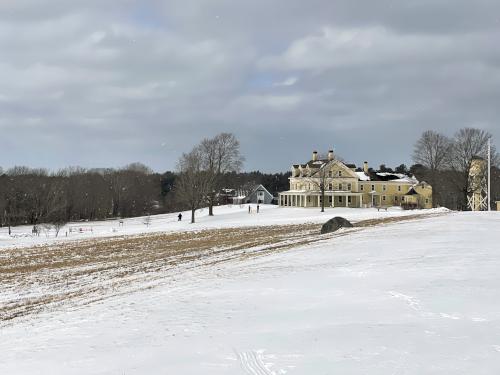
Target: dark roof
x,y
350,165
411,192
315,164
388,177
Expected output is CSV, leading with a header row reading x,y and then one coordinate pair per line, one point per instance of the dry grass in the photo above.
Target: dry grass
x,y
41,278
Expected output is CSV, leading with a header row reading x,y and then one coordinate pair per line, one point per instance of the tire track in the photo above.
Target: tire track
x,y
251,362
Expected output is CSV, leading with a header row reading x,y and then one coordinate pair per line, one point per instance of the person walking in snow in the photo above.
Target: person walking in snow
x,y
249,209
179,216
257,208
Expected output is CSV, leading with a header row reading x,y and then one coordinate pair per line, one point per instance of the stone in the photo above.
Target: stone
x,y
335,224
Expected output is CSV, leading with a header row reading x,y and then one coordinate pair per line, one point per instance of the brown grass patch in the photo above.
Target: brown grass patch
x,y
41,278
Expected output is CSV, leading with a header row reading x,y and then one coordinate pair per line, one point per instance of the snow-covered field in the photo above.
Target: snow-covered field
x,y
225,217
410,297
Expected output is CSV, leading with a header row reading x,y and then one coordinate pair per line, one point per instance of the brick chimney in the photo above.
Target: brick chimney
x,y
330,155
315,155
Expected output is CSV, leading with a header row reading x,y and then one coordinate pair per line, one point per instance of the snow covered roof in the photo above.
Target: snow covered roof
x,y
386,176
409,179
362,176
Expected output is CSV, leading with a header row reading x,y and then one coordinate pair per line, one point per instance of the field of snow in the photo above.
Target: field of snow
x,y
225,217
419,296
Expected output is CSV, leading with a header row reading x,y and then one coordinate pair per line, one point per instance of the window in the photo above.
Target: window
x,y
340,186
383,197
349,199
361,187
384,187
349,186
399,187
395,199
340,173
373,187
330,174
340,199
330,200
330,186
426,200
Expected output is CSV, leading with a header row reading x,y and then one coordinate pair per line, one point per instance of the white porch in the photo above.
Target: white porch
x,y
313,199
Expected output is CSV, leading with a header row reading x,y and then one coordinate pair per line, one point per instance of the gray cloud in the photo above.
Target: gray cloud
x,y
96,84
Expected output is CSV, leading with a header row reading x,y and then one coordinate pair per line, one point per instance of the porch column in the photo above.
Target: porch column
x,y
333,200
360,201
305,200
346,200
319,203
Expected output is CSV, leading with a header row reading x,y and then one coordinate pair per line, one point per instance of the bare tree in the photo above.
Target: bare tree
x,y
194,182
58,225
221,155
432,151
321,179
469,144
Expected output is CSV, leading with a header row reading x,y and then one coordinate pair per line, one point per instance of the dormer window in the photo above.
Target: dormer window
x,y
340,174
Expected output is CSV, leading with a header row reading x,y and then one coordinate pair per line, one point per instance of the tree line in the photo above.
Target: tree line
x,y
38,196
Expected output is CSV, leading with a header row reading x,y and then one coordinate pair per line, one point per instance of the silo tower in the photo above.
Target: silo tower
x,y
478,196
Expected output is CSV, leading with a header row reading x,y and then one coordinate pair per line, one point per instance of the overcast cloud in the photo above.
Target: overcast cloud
x,y
106,83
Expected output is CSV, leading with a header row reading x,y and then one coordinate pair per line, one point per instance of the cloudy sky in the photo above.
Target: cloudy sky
x,y
106,83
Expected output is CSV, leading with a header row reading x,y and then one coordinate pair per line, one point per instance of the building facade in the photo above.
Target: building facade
x,y
258,194
345,185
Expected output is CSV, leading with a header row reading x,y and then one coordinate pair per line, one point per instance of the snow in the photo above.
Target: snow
x,y
362,176
229,216
384,174
400,177
414,297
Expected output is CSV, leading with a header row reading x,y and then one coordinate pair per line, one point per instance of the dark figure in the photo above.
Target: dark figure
x,y
180,217
249,209
258,208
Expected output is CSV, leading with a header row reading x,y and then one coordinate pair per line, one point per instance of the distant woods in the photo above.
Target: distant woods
x,y
34,196
37,196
